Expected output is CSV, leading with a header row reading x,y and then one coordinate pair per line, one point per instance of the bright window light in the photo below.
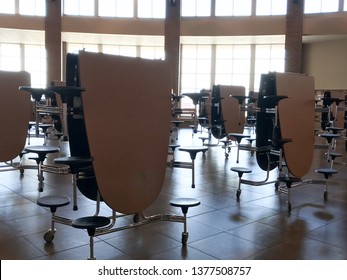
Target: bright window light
x,y
7,6
233,7
321,6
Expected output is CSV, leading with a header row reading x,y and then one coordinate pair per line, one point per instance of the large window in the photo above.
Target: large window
x,y
195,70
271,7
79,7
196,8
7,6
32,7
35,63
233,8
116,8
150,52
268,58
321,6
30,58
130,51
10,57
76,47
151,8
233,63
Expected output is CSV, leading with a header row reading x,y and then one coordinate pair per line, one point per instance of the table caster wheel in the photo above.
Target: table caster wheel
x,y
289,206
238,193
136,218
184,238
48,236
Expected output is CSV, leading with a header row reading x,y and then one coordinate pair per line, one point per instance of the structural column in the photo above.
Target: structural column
x,y
294,33
53,40
172,40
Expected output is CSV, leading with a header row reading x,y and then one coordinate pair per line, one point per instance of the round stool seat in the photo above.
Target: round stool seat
x,y
329,136
326,172
42,149
334,130
176,122
193,150
240,170
203,139
36,93
196,96
184,202
334,155
240,98
272,100
250,140
91,222
238,136
44,126
251,120
173,146
48,201
53,202
74,162
278,143
289,180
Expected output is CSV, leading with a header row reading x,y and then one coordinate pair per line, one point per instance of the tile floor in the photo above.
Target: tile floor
x,y
258,227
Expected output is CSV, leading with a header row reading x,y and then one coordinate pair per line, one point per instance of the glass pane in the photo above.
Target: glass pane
x,y
224,66
204,52
27,7
277,51
240,80
277,65
7,6
151,9
241,66
127,51
224,8
107,49
242,7
74,48
203,81
263,7
224,51
107,8
329,6
192,8
203,8
125,8
71,7
203,66
242,51
189,51
279,7
40,7
188,8
10,57
312,6
188,81
223,79
148,52
159,8
91,47
262,51
188,66
86,8
345,5
262,66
